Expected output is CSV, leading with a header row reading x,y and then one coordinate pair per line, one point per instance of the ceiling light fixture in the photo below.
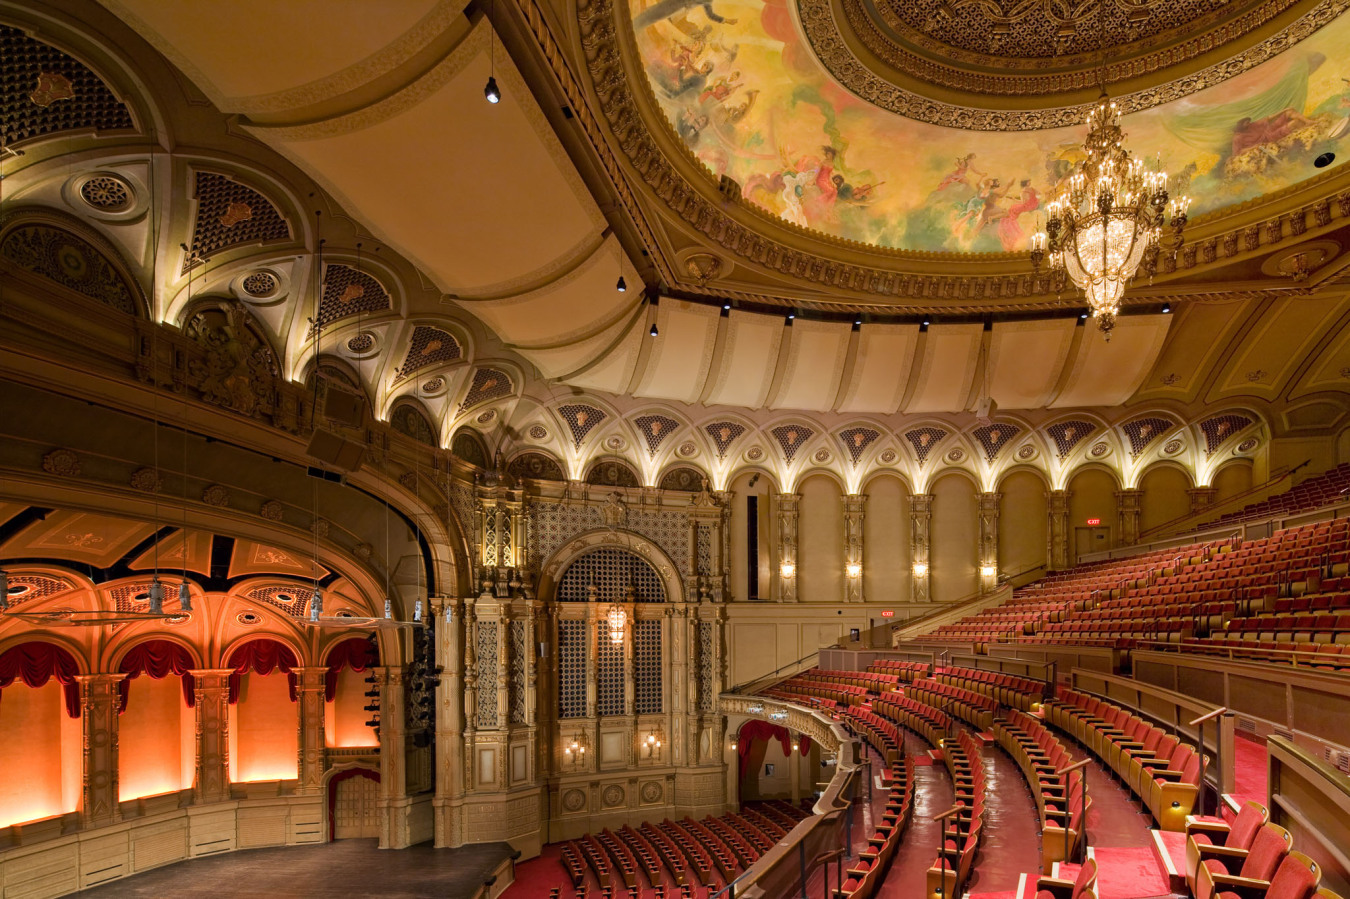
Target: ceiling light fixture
x,y
1106,223
1167,307
491,91
653,332
622,285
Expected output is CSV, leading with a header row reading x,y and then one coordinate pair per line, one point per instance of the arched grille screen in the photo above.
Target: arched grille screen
x,y
611,570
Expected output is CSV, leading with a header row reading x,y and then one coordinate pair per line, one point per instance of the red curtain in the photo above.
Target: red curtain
x,y
356,653
262,656
35,663
157,658
764,731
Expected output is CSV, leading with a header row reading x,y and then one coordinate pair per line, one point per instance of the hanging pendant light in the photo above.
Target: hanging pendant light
x,y
616,620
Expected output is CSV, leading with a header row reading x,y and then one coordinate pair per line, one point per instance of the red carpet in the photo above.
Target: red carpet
x,y
921,759
1249,770
1129,872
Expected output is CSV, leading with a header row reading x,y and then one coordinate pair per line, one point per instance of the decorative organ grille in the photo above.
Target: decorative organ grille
x,y
519,680
611,570
647,668
487,674
707,699
609,677
571,669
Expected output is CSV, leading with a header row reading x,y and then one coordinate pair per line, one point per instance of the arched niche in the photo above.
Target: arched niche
x,y
1165,498
683,478
887,563
535,466
753,535
1023,521
339,397
612,473
1233,479
954,533
820,540
60,249
468,446
410,418
1093,498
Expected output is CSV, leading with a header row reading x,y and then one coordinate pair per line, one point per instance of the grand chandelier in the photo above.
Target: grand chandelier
x,y
1107,219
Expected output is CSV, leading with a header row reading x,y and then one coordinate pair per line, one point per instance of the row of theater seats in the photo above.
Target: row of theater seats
x,y
908,672
866,874
872,681
1322,490
810,686
1060,798
974,707
1007,689
960,833
692,852
1249,856
1161,770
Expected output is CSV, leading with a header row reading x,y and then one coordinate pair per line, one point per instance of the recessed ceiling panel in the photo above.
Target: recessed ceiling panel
x,y
950,353
614,372
881,368
1274,346
1026,359
681,355
749,354
99,540
816,353
1107,373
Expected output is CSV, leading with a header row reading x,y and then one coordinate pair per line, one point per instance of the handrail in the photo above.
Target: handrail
x,y
969,600
1214,714
1072,768
772,674
954,810
1244,654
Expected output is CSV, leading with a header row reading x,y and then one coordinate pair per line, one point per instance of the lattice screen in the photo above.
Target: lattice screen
x,y
611,570
571,669
647,662
609,677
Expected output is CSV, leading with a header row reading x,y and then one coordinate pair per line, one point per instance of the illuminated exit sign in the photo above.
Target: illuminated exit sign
x,y
889,613
1093,522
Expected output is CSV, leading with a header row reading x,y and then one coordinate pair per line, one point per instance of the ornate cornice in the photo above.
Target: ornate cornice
x,y
823,33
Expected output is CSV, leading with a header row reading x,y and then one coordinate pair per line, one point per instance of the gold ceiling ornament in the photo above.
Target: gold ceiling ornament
x,y
1107,220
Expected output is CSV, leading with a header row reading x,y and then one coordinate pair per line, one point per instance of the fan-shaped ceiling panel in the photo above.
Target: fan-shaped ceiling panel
x,y
680,357
816,352
749,353
950,354
881,368
1026,359
1107,373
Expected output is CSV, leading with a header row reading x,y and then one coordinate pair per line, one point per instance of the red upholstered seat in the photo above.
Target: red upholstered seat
x,y
1297,878
1258,863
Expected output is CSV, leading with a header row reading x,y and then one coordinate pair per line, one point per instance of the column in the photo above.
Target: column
x,y
470,701
310,746
789,505
393,761
1127,502
449,718
99,701
989,507
854,505
212,707
920,516
593,637
1201,498
629,663
1058,534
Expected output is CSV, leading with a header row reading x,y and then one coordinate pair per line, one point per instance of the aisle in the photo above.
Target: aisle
x,y
933,795
1010,843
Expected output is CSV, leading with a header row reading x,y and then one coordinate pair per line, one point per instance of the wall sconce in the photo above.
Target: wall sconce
x,y
574,752
920,569
616,620
988,571
794,744
853,569
787,569
651,746
733,745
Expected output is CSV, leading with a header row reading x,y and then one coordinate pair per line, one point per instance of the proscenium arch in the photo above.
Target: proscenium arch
x,y
665,567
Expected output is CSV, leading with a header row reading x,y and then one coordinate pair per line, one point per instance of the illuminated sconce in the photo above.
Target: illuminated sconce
x,y
920,569
574,752
651,746
794,744
733,745
988,571
616,623
787,569
853,569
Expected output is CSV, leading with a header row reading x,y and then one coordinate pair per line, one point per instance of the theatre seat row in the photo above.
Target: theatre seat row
x,y
961,833
967,704
1161,770
1060,798
908,672
928,722
867,874
1006,689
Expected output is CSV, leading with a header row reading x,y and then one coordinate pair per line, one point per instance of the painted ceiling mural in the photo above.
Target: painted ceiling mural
x,y
740,85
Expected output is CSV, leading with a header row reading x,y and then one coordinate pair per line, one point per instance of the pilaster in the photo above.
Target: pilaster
x,y
310,745
789,505
99,701
1058,533
920,517
988,512
448,611
393,756
1127,505
854,508
212,707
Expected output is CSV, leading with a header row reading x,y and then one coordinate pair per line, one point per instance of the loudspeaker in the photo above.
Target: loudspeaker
x,y
343,406
332,450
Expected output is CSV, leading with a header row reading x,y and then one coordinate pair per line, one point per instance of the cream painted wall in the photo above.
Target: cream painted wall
x,y
820,541
954,535
886,550
344,719
31,729
1232,479
263,725
1022,523
764,636
155,739
1164,497
1094,496
741,489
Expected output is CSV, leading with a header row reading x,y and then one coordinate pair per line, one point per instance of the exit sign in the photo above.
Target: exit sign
x,y
1093,522
888,614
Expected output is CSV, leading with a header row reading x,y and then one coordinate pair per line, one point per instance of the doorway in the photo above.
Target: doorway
x,y
1091,540
353,805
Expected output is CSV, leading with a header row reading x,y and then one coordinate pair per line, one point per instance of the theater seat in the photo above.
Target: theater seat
x,y
1223,869
1080,887
1208,832
1297,878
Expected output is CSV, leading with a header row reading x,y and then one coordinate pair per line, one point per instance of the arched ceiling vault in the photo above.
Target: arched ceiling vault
x,y
491,239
